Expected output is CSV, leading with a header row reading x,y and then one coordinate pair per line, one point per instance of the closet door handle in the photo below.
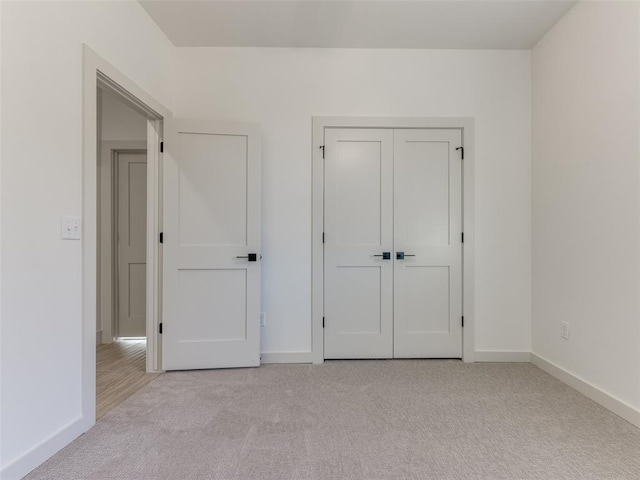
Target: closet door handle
x,y
384,255
401,255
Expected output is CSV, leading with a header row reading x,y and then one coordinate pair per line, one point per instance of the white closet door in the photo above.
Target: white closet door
x,y
358,229
132,243
428,228
211,251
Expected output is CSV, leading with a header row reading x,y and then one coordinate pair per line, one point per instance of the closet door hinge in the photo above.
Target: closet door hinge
x,y
322,148
461,152
322,322
160,328
161,237
322,237
161,147
462,237
462,321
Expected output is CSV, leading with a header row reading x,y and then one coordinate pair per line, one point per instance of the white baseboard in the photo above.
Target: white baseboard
x,y
21,466
605,399
99,337
480,356
286,357
502,356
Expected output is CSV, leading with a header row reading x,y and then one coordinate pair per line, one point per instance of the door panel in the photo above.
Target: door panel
x,y
213,190
131,200
364,315
424,190
427,228
358,194
427,294
221,293
358,226
138,293
212,222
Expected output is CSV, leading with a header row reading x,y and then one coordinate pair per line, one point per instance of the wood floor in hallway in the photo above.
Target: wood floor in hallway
x,y
120,372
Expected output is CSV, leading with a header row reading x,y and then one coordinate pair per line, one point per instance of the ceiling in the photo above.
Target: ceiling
x,y
477,24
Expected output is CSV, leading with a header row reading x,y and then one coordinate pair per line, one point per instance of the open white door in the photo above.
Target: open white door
x,y
211,315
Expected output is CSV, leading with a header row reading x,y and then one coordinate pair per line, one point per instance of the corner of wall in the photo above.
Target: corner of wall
x,y
585,173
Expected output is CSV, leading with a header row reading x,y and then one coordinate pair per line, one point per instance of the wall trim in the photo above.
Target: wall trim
x,y
48,447
286,357
466,125
502,356
608,401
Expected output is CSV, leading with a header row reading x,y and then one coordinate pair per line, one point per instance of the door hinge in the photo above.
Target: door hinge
x,y
461,152
322,322
161,147
462,237
322,237
322,148
161,237
160,328
462,321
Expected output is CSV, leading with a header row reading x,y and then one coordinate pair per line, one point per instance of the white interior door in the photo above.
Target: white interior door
x,y
392,243
358,230
428,244
131,185
211,251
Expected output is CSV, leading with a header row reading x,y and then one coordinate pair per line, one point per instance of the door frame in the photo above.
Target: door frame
x,y
466,126
96,71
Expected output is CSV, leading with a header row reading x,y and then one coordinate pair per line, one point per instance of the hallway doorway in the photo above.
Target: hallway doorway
x,y
120,372
121,317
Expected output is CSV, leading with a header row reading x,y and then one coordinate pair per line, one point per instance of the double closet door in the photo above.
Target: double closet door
x,y
392,243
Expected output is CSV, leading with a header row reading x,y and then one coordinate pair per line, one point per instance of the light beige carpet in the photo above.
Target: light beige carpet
x,y
355,420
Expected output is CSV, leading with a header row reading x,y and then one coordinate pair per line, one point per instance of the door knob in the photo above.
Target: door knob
x,y
384,255
401,255
251,257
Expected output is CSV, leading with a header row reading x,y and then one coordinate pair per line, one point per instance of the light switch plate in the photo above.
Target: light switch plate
x,y
70,228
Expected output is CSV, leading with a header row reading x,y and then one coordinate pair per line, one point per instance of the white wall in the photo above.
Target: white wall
x,y
121,122
283,88
586,196
41,181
